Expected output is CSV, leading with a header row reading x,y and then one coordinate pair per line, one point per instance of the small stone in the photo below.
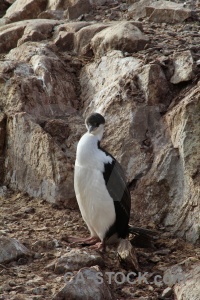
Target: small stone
x,y
167,292
76,259
11,249
29,210
155,259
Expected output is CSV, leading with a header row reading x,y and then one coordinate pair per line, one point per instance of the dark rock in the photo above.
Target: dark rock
x,y
80,7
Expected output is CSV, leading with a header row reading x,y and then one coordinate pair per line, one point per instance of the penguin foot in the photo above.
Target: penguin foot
x,y
88,241
99,246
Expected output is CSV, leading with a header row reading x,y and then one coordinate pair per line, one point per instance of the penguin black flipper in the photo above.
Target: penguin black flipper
x,y
116,185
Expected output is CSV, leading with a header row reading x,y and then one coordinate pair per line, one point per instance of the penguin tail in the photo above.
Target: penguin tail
x,y
142,237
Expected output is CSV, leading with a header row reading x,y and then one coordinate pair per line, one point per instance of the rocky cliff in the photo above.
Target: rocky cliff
x,y
141,72
137,63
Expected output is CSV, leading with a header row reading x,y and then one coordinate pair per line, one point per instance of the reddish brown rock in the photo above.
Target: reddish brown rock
x,y
25,9
38,90
123,36
38,30
10,34
64,40
83,36
153,82
159,11
167,11
78,8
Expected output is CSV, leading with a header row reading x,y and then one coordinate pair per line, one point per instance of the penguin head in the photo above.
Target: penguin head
x,y
95,124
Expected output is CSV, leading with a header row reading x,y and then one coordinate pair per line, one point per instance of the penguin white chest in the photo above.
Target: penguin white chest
x,y
96,205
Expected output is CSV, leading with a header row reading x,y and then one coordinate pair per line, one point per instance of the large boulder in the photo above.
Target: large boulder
x,y
110,86
35,162
43,126
35,82
38,30
167,11
159,11
24,10
123,36
84,35
186,277
169,193
10,34
15,34
78,8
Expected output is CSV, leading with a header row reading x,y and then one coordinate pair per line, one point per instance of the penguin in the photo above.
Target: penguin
x,y
101,190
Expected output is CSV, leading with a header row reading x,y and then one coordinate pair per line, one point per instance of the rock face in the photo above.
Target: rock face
x,y
142,76
186,277
112,87
174,174
2,143
37,125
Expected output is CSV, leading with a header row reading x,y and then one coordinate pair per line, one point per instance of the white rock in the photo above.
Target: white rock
x,y
183,67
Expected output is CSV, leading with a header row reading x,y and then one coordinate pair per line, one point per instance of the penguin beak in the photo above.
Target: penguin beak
x,y
91,128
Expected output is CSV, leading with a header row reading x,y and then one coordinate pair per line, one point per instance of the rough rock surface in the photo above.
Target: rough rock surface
x,y
111,87
75,260
167,11
183,67
123,36
10,34
78,8
79,287
2,143
84,35
24,10
24,159
186,276
43,227
11,249
53,73
160,11
174,172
